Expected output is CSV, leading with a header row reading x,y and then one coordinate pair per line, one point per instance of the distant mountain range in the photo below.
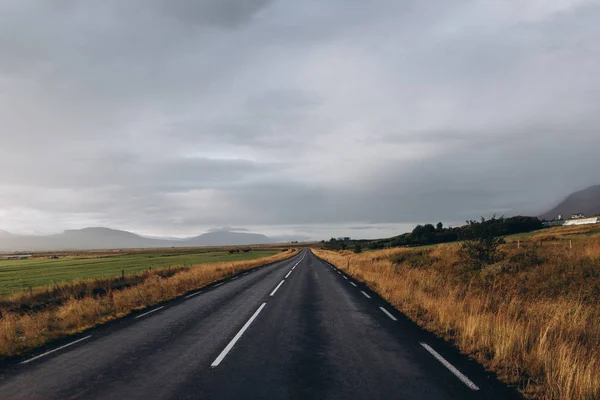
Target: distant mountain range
x,y
586,201
106,238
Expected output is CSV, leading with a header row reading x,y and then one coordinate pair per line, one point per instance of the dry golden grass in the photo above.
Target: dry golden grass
x,y
561,232
21,332
534,318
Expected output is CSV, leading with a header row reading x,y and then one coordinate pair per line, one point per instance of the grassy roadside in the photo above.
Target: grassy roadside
x,y
20,331
20,275
533,318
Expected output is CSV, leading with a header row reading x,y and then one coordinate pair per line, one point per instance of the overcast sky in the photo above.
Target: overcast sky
x,y
169,117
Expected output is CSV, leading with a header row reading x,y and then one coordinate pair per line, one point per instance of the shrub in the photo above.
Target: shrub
x,y
530,257
414,259
482,246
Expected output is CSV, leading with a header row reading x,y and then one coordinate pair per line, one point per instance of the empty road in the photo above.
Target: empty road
x,y
297,329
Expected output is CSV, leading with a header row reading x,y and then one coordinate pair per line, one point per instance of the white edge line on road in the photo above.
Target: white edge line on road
x,y
57,349
450,367
288,274
353,284
366,295
345,277
274,290
218,284
339,272
193,294
236,338
234,278
388,314
149,312
245,273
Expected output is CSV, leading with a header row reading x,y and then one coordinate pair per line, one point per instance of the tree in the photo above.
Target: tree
x,y
423,234
439,227
357,248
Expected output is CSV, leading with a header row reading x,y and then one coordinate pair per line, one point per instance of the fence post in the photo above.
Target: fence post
x,y
570,243
518,243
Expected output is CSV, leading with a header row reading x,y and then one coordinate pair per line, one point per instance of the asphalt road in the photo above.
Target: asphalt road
x,y
317,335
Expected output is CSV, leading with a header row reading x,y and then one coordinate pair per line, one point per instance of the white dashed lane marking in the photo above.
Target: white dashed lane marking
x,y
450,367
149,312
275,290
388,314
237,337
57,349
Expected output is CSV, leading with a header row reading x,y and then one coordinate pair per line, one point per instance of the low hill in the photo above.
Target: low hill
x,y
106,238
224,238
586,201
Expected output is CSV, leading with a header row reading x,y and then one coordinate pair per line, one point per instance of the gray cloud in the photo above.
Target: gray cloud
x,y
227,13
171,118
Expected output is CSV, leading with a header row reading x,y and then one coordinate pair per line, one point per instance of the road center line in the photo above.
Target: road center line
x,y
237,337
193,294
366,295
288,274
353,284
278,286
388,314
149,312
57,349
450,367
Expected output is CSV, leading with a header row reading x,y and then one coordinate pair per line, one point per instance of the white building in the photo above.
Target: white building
x,y
583,221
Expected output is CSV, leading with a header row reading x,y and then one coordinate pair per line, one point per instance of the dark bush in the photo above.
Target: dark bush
x,y
482,245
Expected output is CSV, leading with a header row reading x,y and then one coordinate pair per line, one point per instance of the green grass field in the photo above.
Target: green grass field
x,y
19,275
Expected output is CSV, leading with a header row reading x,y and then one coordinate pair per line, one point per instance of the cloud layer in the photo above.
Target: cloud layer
x,y
172,117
